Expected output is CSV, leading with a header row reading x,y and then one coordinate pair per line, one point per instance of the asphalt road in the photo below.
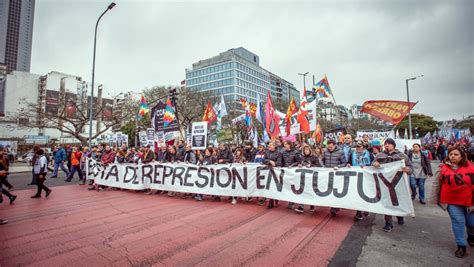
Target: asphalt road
x,y
20,181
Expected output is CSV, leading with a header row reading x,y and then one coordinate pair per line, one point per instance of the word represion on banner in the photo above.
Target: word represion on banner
x,y
381,190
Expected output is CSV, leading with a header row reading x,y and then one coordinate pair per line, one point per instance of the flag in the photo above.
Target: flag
x,y
322,88
143,108
248,117
289,113
302,114
221,111
253,107
169,115
271,118
317,135
260,115
209,113
388,110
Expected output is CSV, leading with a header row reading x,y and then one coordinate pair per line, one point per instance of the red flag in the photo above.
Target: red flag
x,y
388,110
302,114
271,118
209,114
289,113
318,135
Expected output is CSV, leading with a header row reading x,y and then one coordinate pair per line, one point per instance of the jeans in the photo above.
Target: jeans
x,y
73,170
460,220
420,182
56,167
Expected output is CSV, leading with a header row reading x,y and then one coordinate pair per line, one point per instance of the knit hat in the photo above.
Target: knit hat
x,y
376,142
390,141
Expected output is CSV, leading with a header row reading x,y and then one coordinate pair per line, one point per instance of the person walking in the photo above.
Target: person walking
x,y
4,166
391,154
308,160
454,187
360,157
75,164
59,159
273,158
334,158
291,158
421,170
40,173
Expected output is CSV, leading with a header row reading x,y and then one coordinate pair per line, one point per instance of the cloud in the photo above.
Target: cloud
x,y
367,48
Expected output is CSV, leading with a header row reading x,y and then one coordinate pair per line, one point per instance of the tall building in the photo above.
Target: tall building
x,y
16,33
237,74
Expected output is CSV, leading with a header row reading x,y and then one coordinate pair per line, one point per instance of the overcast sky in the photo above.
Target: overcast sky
x,y
366,48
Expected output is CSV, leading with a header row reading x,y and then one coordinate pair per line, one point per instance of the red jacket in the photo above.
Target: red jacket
x,y
108,157
457,186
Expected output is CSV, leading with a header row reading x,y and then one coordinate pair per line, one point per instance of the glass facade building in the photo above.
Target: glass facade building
x,y
237,74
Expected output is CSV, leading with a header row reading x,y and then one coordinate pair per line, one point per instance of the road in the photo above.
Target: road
x,y
20,181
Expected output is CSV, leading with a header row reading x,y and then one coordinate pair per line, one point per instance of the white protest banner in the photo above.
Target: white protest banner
x,y
376,135
199,135
401,143
382,190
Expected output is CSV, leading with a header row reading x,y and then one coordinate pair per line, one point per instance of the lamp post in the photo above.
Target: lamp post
x,y
408,102
304,78
93,73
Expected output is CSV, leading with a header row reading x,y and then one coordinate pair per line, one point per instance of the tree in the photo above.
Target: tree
x,y
469,123
70,118
421,124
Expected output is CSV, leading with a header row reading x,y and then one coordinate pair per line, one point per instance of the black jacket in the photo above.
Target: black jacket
x,y
225,155
273,156
290,158
311,160
249,154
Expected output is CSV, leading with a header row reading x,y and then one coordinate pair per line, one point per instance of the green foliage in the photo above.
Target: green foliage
x,y
469,123
421,124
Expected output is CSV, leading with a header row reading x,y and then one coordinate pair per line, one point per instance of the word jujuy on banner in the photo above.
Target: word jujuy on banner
x,y
382,190
388,110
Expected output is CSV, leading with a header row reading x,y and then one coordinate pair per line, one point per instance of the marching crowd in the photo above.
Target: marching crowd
x,y
451,189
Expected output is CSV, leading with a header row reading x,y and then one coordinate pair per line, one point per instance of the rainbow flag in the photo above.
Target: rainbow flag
x,y
322,87
143,108
169,115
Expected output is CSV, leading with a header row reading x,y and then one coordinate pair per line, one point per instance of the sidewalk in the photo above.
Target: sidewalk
x,y
20,167
426,240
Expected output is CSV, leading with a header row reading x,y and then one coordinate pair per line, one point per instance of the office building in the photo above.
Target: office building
x,y
16,33
237,74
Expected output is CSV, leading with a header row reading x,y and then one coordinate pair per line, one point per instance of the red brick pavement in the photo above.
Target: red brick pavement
x,y
77,227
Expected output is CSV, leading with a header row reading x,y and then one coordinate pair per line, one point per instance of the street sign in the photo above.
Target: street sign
x,y
36,139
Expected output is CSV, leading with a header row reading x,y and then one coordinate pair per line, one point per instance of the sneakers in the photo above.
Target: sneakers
x,y
234,201
148,192
400,220
299,209
470,240
261,202
198,197
12,199
333,212
422,202
460,252
358,216
388,227
312,209
3,221
35,196
290,205
82,182
48,193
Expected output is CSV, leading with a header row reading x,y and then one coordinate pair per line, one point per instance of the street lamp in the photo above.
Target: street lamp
x,y
304,79
93,73
408,102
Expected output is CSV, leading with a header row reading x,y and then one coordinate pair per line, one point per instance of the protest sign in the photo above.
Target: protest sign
x,y
376,135
382,190
199,135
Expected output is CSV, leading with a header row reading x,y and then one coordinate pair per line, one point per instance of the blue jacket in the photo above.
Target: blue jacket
x,y
60,155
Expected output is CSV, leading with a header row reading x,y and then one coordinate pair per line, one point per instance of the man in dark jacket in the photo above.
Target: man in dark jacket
x,y
390,154
334,158
249,151
224,155
59,159
272,158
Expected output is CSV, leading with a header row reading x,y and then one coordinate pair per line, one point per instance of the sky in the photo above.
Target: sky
x,y
367,49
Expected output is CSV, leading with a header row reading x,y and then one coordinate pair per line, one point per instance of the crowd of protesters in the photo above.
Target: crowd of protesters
x,y
277,153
